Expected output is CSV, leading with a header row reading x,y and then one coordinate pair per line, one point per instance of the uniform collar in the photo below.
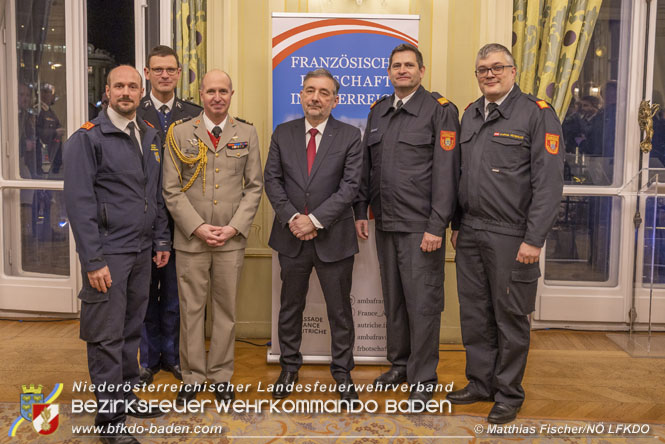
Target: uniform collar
x,y
157,104
412,106
210,125
119,121
505,107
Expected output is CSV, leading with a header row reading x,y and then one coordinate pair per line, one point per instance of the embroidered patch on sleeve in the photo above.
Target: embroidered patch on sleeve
x,y
447,140
542,104
552,143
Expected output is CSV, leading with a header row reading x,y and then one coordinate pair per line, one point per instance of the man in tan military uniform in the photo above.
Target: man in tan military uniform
x,y
212,187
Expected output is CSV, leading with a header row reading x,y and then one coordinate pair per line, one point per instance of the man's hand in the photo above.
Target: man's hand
x,y
430,242
453,239
309,236
301,226
161,258
210,234
226,233
528,254
362,229
100,279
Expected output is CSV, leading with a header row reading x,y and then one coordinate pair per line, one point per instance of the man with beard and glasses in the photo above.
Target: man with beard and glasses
x,y
113,195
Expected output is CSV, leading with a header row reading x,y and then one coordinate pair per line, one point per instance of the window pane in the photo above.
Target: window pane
x,y
579,245
40,46
654,238
36,232
590,124
657,157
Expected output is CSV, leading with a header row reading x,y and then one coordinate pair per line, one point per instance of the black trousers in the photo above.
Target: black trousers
x,y
412,283
496,295
335,279
111,325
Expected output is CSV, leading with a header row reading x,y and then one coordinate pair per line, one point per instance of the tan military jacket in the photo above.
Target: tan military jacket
x,y
233,183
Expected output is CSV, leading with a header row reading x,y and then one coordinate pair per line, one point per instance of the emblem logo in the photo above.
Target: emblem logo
x,y
552,143
46,418
447,140
155,151
40,411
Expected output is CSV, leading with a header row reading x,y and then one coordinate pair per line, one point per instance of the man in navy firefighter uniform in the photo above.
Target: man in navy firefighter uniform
x,y
510,189
160,336
410,174
114,202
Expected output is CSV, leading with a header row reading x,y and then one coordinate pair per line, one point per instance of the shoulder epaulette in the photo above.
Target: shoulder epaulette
x,y
88,126
378,100
189,103
540,102
149,124
243,121
439,98
183,120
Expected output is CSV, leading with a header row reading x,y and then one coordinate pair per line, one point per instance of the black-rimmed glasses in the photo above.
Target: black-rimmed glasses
x,y
496,70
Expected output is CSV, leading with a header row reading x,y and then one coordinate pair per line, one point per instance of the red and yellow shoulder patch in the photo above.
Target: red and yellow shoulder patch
x,y
442,101
149,124
552,143
447,140
88,126
542,104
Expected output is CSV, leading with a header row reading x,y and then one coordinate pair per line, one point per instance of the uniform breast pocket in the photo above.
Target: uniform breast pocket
x,y
415,151
236,160
374,138
508,152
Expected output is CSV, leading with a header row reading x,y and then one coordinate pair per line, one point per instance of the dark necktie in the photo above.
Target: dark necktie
x,y
216,131
311,149
490,109
398,105
132,135
164,110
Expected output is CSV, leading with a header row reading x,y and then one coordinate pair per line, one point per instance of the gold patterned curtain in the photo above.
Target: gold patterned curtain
x,y
190,44
550,42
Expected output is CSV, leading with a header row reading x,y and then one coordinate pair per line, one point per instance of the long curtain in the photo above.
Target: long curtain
x,y
190,45
550,42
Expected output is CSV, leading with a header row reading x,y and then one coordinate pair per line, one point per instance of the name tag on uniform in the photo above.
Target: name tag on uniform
x,y
508,135
236,145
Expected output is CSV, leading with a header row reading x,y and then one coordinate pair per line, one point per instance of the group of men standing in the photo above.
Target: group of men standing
x,y
497,178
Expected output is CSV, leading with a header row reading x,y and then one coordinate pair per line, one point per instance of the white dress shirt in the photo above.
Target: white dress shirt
x,y
157,104
498,102
121,122
404,100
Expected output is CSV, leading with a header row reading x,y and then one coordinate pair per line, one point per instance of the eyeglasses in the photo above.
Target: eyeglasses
x,y
159,71
496,70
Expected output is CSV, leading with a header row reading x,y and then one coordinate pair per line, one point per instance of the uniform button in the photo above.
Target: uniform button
x,y
216,185
216,170
216,154
215,202
238,155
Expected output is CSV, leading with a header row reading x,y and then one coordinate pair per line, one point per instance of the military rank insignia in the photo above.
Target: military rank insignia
x,y
155,152
447,140
552,143
542,104
88,126
236,145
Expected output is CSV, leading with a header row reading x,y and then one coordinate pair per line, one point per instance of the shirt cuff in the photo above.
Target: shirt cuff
x,y
293,217
315,221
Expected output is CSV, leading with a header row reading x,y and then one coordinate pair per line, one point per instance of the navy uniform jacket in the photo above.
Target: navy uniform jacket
x,y
512,167
113,194
181,109
327,192
410,164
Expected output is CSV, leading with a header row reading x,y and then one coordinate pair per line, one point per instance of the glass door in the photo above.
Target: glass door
x,y
44,53
590,253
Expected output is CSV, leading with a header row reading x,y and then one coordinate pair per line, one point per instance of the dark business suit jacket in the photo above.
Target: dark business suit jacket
x,y
327,192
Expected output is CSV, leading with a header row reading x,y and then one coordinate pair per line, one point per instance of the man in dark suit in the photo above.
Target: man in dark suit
x,y
312,176
160,335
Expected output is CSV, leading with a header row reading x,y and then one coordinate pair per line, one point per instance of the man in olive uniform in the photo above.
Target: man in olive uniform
x,y
212,188
510,189
160,336
410,173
